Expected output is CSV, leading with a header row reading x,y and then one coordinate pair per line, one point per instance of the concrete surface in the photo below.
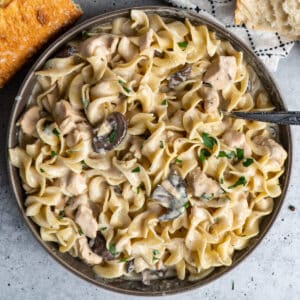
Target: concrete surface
x,y
271,272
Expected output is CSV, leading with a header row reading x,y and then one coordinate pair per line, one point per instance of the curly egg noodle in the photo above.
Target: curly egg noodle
x,y
185,187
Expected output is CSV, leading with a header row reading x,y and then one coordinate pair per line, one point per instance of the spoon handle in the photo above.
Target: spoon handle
x,y
278,117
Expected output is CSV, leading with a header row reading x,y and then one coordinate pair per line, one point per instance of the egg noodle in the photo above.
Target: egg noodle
x,y
185,186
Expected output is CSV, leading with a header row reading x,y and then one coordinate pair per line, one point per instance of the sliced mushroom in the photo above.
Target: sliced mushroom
x,y
171,194
236,139
84,218
110,133
67,51
86,253
179,76
98,246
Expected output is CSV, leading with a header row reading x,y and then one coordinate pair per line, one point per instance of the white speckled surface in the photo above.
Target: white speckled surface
x,y
271,272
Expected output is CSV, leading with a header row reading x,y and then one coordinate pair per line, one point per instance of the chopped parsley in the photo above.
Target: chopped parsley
x,y
53,153
56,132
80,231
138,189
103,228
112,136
208,140
164,102
123,85
204,153
247,162
241,181
112,250
221,180
161,144
85,103
207,84
84,35
229,155
178,161
42,170
84,165
206,196
240,153
123,259
186,205
155,252
136,170
182,45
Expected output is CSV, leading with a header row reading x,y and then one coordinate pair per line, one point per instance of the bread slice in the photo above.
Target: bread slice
x,y
25,25
282,16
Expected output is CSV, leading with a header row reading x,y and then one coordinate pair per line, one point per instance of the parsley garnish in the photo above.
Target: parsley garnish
x,y
204,153
182,45
84,165
103,228
208,140
42,170
136,170
164,102
155,252
186,205
123,259
248,162
178,161
56,132
207,196
61,214
112,250
84,35
241,181
229,155
80,231
161,144
53,153
125,88
221,180
207,84
112,136
240,153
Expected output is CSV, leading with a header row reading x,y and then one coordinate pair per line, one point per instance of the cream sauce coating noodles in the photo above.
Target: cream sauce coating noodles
x,y
127,160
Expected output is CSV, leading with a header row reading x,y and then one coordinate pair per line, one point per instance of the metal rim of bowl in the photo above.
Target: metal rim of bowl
x,y
174,13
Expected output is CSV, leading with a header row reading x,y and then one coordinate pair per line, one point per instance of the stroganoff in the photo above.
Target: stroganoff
x,y
127,161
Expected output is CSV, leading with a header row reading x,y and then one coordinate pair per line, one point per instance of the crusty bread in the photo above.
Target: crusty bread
x,y
282,16
25,25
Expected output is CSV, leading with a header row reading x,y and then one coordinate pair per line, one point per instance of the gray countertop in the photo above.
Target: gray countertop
x,y
272,271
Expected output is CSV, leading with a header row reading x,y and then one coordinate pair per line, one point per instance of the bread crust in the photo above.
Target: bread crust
x,y
25,25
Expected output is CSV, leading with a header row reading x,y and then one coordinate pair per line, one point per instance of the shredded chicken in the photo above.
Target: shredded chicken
x,y
211,99
201,186
86,253
236,139
76,184
276,151
73,204
29,120
221,72
85,219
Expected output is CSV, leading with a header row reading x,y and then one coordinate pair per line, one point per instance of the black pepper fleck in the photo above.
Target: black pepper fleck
x,y
291,207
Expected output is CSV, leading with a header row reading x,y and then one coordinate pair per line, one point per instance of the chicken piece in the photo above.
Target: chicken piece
x,y
29,119
221,72
146,39
100,45
236,139
85,219
177,119
86,253
136,147
73,203
76,184
276,151
66,117
202,186
211,99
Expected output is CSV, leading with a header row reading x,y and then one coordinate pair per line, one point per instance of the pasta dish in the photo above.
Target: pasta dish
x,y
128,160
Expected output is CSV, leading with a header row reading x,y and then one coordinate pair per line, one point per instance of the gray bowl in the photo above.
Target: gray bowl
x,y
166,286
